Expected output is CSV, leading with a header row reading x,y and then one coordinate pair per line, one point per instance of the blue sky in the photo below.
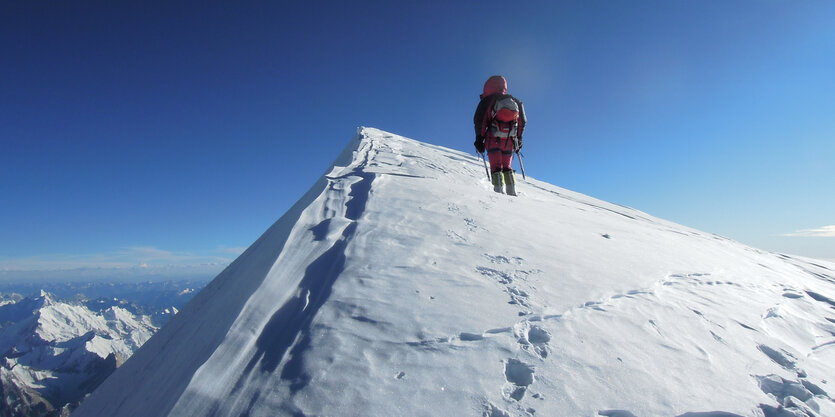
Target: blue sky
x,y
159,134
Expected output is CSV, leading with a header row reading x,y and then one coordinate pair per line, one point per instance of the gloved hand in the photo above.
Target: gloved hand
x,y
519,145
479,145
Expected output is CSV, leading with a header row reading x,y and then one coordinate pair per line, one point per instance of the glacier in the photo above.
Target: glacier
x,y
402,285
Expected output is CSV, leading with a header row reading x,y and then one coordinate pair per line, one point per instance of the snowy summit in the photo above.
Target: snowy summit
x,y
402,285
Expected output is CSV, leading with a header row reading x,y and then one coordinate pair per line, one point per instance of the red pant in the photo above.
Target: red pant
x,y
500,153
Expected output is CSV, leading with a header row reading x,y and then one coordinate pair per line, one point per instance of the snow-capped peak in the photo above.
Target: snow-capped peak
x,y
401,285
54,352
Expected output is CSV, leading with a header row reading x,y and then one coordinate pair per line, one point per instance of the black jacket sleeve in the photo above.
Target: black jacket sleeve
x,y
478,118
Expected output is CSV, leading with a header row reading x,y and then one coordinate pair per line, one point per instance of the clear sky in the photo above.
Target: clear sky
x,y
172,134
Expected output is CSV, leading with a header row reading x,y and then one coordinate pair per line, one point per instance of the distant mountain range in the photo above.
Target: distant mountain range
x,y
56,346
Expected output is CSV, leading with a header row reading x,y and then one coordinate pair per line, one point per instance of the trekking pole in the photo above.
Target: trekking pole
x,y
519,154
521,165
485,166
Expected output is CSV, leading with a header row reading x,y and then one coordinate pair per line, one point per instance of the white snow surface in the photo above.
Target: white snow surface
x,y
402,285
55,352
45,323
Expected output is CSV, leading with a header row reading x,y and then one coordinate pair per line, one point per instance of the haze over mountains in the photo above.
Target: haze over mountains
x,y
401,285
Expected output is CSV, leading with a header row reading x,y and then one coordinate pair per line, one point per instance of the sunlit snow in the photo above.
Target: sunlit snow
x,y
402,285
53,352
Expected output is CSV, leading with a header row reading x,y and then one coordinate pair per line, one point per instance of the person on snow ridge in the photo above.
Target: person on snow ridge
x,y
499,122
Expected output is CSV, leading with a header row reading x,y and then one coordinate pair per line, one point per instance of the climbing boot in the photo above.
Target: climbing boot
x,y
497,182
510,182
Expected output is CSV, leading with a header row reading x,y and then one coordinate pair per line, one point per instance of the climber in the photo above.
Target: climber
x,y
499,122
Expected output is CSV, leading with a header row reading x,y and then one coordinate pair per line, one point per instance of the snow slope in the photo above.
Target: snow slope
x,y
401,285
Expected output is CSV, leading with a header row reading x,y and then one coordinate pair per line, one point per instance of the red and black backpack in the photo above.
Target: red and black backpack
x,y
505,113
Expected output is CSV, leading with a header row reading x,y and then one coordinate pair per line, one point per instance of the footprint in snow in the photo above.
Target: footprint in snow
x,y
594,305
472,225
533,337
493,411
503,260
519,377
502,277
518,297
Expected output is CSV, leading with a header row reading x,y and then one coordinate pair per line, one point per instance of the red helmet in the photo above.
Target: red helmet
x,y
495,84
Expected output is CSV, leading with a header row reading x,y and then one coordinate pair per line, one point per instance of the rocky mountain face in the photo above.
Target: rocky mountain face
x,y
54,353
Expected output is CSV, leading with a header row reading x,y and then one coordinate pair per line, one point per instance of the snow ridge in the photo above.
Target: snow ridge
x,y
401,285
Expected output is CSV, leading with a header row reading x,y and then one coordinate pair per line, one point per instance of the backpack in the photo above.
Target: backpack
x,y
505,116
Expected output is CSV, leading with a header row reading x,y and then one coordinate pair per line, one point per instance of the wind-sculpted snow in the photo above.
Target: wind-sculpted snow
x,y
401,285
293,320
